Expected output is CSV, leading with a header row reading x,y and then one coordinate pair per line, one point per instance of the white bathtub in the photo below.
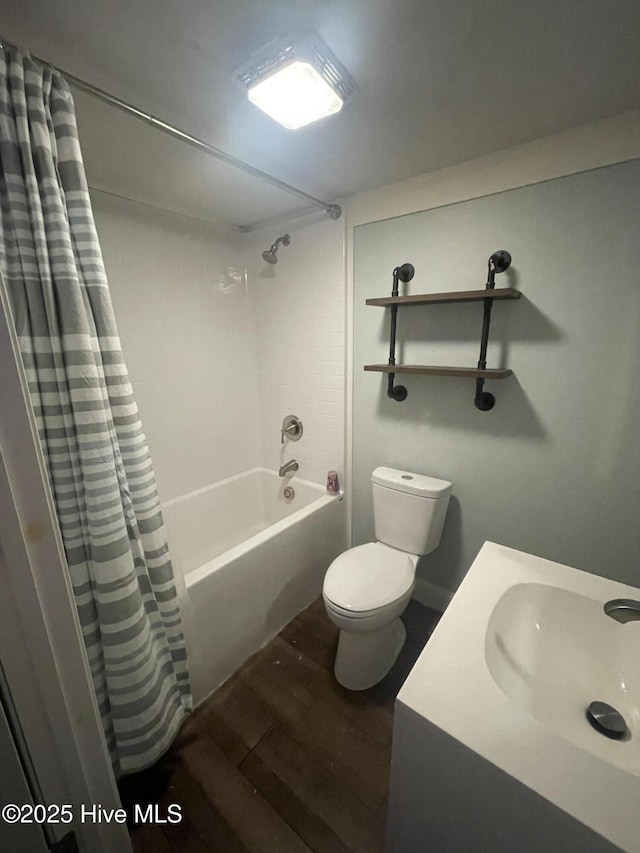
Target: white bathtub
x,y
252,560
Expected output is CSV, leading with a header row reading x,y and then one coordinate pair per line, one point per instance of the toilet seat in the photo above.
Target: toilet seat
x,y
369,578
364,616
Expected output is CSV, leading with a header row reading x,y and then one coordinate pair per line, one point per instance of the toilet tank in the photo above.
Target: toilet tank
x,y
409,509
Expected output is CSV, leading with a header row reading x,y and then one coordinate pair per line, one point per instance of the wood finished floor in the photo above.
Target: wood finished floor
x,y
281,759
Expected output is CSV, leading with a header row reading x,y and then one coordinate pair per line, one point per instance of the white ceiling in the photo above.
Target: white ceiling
x,y
439,82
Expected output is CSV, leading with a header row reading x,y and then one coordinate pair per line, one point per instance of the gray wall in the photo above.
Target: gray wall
x,y
554,468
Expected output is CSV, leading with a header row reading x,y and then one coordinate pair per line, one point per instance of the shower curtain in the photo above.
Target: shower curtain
x,y
96,454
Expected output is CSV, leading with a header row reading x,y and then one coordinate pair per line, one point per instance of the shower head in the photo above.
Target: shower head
x,y
271,255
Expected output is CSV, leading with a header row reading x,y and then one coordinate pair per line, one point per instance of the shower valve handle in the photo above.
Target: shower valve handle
x,y
291,428
290,431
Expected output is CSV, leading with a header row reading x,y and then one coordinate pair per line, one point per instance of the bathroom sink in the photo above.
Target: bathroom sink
x,y
553,651
506,679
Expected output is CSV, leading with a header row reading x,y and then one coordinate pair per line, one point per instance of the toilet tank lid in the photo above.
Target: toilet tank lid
x,y
413,484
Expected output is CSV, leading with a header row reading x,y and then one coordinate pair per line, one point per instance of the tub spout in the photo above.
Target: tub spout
x,y
291,465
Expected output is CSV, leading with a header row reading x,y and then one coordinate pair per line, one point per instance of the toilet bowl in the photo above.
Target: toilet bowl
x,y
367,588
365,592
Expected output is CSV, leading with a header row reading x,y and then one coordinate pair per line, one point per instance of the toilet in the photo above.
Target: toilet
x,y
367,588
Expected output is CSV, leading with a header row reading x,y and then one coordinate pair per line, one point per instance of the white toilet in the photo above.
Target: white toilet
x,y
367,588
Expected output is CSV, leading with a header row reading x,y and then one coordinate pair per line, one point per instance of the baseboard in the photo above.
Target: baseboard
x,y
431,596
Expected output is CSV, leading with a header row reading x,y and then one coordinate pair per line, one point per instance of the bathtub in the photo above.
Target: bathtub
x,y
251,560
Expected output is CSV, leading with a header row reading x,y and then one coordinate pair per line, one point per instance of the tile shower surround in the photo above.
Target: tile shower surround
x,y
217,358
299,310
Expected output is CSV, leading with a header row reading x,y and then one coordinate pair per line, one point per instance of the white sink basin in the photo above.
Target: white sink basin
x,y
554,651
518,656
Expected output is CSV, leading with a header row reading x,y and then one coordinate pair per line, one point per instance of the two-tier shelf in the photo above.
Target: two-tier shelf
x,y
498,262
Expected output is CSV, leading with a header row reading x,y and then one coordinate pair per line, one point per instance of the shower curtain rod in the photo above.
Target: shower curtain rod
x,y
334,211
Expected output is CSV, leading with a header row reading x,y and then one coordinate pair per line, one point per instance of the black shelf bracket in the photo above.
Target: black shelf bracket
x,y
498,262
403,273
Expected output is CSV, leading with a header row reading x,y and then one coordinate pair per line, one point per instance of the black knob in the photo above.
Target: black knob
x,y
398,393
485,401
501,260
406,272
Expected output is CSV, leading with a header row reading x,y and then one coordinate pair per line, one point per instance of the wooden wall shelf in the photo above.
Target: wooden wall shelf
x,y
436,370
498,262
452,296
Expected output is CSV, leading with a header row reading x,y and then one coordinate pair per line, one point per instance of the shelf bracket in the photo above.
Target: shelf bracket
x,y
498,262
402,273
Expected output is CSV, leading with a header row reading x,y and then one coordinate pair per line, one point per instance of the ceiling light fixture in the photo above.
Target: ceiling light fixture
x,y
296,80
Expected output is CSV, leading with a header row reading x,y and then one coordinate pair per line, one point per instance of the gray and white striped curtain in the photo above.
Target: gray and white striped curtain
x,y
97,458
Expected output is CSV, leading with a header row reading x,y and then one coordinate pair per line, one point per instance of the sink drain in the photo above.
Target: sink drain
x,y
605,719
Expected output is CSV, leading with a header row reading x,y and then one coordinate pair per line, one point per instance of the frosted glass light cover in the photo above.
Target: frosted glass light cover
x,y
295,95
